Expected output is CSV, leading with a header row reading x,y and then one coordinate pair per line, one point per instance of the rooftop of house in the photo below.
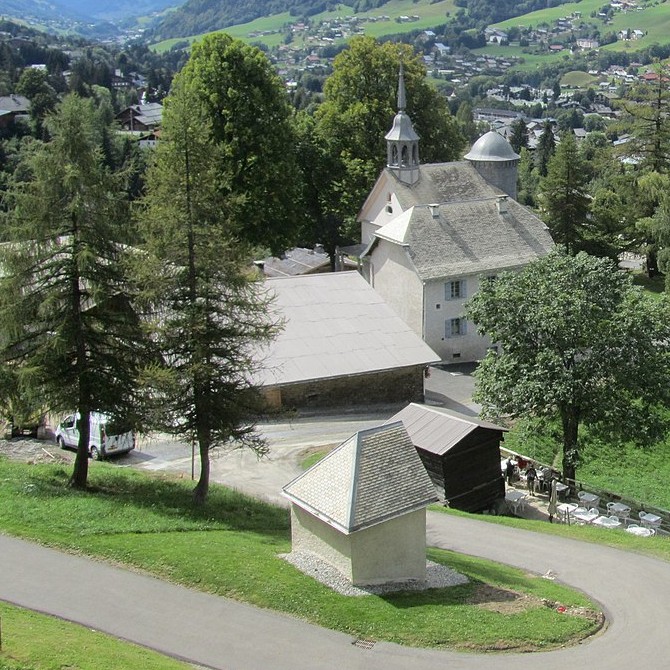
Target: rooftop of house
x,y
455,223
335,325
374,476
297,261
437,430
15,103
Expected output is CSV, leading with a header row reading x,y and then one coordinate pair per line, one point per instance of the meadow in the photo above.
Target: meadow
x,y
149,523
430,15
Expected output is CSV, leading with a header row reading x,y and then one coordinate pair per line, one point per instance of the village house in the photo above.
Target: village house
x,y
142,117
340,345
433,232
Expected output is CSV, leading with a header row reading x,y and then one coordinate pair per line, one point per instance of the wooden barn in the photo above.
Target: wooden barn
x,y
461,455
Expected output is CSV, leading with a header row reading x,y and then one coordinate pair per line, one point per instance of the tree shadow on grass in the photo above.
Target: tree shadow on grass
x,y
154,496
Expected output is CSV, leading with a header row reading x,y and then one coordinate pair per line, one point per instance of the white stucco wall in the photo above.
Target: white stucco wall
x,y
381,208
390,273
308,533
391,551
440,310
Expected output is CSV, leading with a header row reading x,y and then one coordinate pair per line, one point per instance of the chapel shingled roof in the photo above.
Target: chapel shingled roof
x,y
456,225
374,476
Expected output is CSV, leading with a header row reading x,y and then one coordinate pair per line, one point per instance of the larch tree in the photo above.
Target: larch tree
x,y
210,312
577,343
67,324
646,107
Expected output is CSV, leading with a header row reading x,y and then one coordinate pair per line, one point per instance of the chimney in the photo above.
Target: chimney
x,y
501,204
434,211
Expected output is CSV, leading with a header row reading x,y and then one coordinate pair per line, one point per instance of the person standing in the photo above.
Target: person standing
x,y
509,471
531,478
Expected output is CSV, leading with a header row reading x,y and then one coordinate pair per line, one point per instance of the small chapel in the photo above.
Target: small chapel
x,y
431,233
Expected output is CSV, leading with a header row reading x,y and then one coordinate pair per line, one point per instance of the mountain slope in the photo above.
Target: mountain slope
x,y
117,9
201,16
100,10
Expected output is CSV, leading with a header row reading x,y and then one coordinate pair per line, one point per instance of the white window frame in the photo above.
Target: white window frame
x,y
457,327
455,290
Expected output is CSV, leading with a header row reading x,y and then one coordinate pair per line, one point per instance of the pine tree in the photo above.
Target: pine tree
x,y
564,198
519,138
211,314
546,146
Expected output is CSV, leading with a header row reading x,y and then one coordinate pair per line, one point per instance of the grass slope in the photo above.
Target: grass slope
x,y
33,641
430,15
230,547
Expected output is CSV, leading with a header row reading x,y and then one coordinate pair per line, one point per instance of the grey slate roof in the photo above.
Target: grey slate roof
x,y
470,235
435,429
296,261
17,104
335,325
374,476
402,129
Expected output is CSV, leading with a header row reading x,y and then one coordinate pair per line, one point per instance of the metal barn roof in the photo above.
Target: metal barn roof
x,y
336,325
436,430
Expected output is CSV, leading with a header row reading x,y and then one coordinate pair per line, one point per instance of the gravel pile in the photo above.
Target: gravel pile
x,y
31,450
437,576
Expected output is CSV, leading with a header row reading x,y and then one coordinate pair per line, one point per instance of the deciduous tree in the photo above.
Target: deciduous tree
x,y
357,113
248,112
578,343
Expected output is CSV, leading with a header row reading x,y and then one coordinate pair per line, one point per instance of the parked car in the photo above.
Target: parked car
x,y
106,439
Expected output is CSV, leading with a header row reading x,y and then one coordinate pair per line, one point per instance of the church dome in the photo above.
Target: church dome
x,y
402,130
492,147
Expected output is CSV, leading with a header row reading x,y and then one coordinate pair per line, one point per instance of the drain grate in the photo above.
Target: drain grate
x,y
363,644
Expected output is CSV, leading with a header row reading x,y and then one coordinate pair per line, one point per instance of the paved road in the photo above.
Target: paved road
x,y
633,590
218,633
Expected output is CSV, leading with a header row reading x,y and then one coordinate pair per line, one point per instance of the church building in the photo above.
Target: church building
x,y
433,232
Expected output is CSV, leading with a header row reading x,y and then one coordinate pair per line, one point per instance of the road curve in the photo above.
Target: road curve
x,y
218,633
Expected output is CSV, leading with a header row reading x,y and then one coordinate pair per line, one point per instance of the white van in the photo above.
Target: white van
x,y
101,444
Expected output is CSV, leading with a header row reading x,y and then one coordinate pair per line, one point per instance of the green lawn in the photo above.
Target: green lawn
x,y
430,15
32,641
149,523
578,79
653,20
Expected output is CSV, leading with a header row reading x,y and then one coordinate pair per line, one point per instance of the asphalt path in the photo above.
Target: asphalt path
x,y
633,590
211,631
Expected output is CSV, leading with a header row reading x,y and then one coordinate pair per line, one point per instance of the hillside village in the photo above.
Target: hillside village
x,y
481,223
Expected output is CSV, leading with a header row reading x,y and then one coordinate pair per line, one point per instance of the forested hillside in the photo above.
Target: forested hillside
x,y
200,16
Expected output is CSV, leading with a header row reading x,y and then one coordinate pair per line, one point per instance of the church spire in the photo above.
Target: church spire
x,y
402,143
402,103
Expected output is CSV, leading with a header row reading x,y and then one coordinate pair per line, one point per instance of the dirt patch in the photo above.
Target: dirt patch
x,y
502,601
31,450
